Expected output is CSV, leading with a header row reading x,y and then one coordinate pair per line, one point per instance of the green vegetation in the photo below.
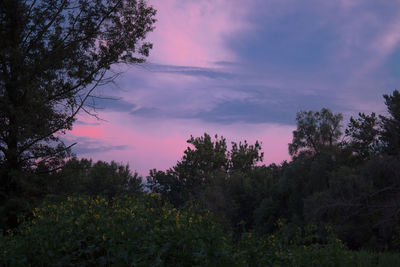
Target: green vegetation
x,y
123,231
147,231
336,203
348,181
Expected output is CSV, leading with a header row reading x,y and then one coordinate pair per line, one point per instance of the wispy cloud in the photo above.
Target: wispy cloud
x,y
382,46
110,104
80,122
89,146
212,73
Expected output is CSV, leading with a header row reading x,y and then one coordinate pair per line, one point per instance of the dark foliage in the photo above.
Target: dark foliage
x,y
350,182
83,177
390,134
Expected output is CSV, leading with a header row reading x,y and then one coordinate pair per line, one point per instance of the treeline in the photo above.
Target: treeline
x,y
76,177
345,179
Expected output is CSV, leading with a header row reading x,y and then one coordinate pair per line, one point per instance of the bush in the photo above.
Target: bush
x,y
122,231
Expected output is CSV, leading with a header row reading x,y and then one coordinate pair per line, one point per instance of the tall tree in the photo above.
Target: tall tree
x,y
390,135
364,135
244,157
315,131
53,54
204,161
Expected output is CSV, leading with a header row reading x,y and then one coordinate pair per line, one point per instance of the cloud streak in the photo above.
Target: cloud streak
x,y
211,73
89,146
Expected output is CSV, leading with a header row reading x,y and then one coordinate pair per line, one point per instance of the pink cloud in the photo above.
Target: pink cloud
x,y
349,4
369,39
94,131
384,45
193,32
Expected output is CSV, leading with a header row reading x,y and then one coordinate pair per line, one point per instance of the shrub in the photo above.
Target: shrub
x,y
122,231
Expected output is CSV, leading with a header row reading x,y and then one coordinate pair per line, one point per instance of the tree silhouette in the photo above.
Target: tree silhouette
x,y
364,135
53,55
315,131
390,135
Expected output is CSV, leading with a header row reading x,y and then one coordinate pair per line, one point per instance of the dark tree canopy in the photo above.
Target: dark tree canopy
x,y
94,178
315,131
350,184
390,135
244,156
53,54
364,135
202,164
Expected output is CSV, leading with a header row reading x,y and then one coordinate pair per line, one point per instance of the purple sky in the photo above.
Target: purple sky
x,y
243,69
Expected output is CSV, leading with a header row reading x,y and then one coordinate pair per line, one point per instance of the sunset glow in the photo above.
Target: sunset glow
x,y
243,70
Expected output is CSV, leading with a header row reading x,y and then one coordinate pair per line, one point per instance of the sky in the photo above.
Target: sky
x,y
242,70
